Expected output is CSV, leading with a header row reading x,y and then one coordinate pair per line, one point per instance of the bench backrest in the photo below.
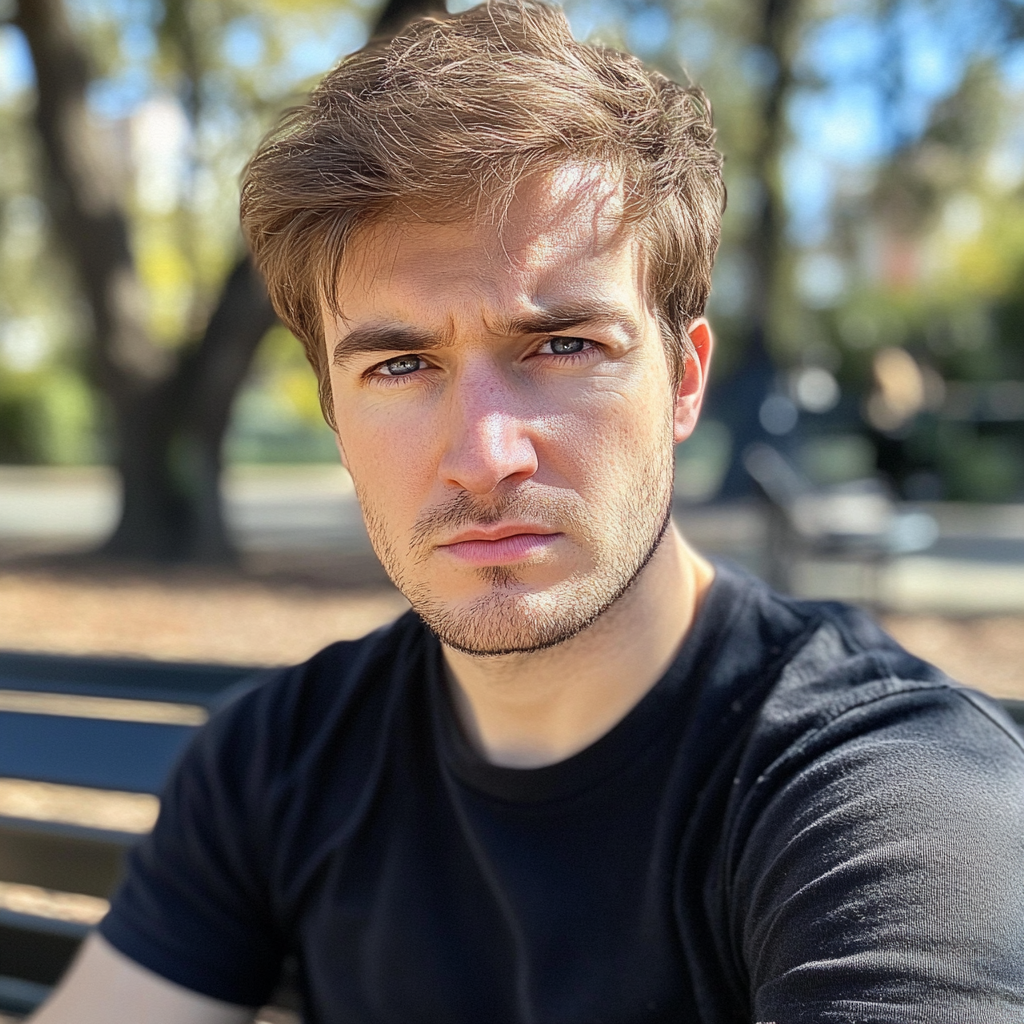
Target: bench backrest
x,y
94,724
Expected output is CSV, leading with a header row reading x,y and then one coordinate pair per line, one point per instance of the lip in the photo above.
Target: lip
x,y
499,531
500,544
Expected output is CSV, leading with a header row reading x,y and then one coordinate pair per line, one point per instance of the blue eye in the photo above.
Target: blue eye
x,y
566,346
402,365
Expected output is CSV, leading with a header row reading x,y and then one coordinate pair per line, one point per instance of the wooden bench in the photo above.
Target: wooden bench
x,y
85,747
91,730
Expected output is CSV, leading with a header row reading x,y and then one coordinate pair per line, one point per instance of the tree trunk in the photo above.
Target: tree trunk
x,y
169,451
169,413
738,400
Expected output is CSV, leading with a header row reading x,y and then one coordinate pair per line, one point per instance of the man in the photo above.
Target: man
x,y
590,777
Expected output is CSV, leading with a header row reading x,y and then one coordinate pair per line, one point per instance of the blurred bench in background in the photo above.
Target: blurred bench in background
x,y
858,521
85,745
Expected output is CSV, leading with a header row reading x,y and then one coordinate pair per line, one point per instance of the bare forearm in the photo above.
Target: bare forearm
x,y
103,985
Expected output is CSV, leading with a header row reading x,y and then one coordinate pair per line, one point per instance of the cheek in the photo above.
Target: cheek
x,y
391,457
608,436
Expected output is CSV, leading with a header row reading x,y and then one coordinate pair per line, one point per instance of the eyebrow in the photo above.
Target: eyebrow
x,y
399,337
384,337
557,319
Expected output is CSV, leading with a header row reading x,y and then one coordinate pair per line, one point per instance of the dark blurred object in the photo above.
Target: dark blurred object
x,y
737,402
857,520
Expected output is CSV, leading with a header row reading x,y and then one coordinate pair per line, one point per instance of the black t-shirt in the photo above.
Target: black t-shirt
x,y
800,823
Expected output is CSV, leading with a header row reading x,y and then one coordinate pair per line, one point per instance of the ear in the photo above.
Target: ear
x,y
690,393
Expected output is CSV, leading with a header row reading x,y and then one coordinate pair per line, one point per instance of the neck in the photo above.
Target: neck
x,y
529,710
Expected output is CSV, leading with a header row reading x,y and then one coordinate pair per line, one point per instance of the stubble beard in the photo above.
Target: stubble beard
x,y
621,536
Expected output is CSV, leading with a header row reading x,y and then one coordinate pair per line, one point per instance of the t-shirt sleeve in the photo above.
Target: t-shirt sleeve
x,y
194,906
883,881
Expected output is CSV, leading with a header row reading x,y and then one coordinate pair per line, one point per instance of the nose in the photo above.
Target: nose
x,y
488,439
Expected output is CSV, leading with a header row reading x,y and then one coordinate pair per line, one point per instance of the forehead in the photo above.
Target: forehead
x,y
563,233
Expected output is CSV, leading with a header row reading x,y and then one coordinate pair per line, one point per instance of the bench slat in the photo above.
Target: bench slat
x,y
62,857
131,756
182,682
37,949
20,996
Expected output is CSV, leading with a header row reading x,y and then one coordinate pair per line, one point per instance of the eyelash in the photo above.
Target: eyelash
x,y
394,380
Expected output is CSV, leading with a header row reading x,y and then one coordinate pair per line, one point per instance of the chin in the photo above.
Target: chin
x,y
516,621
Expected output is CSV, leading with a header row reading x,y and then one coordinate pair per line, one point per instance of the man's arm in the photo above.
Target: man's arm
x,y
103,985
882,880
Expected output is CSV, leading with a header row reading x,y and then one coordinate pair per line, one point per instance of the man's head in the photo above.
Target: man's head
x,y
496,245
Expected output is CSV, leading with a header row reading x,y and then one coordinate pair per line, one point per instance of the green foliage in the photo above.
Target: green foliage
x,y
46,410
48,417
701,462
278,418
931,246
980,467
19,428
837,458
182,91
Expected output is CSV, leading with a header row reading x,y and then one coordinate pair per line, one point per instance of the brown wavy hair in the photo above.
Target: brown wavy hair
x,y
448,117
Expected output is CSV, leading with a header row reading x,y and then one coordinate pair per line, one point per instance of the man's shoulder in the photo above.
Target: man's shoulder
x,y
861,786
797,668
329,697
820,675
847,664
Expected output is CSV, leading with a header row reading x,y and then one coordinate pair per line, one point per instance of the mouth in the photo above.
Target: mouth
x,y
500,544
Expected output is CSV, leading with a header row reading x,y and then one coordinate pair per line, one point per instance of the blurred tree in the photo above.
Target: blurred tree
x,y
169,403
772,41
841,97
935,248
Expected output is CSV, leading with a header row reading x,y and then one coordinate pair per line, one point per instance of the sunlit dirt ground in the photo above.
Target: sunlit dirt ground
x,y
985,652
212,617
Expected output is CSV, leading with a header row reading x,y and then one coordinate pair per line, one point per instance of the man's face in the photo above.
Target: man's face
x,y
505,406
